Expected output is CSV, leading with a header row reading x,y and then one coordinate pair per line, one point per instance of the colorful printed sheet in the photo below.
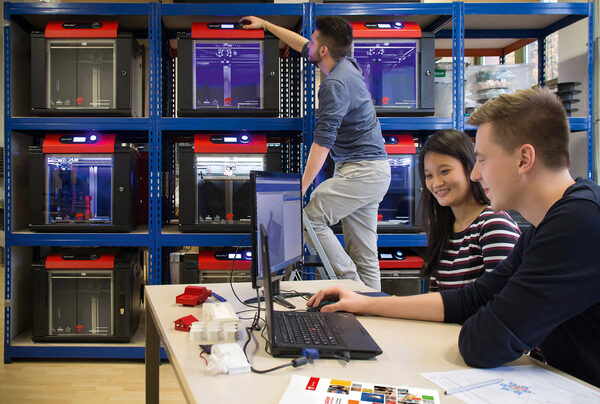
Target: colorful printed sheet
x,y
315,390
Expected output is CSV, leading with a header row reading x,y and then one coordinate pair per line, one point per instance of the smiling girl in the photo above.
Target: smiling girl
x,y
465,236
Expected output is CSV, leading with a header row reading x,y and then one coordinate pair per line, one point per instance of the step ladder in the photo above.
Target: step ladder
x,y
317,256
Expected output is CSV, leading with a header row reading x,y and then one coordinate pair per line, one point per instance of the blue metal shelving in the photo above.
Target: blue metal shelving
x,y
562,15
458,65
415,123
74,124
80,239
155,143
72,9
18,13
393,9
177,239
251,124
447,20
240,9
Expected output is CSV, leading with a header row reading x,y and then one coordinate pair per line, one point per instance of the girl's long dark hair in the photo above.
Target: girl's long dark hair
x,y
440,219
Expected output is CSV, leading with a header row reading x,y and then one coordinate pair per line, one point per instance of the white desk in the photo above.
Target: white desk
x,y
409,348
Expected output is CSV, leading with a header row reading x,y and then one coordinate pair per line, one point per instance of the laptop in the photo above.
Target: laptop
x,y
333,335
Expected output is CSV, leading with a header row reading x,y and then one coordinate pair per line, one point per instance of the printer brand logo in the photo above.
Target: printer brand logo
x,y
312,383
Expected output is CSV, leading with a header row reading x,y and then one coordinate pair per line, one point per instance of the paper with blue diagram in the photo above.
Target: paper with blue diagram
x,y
518,384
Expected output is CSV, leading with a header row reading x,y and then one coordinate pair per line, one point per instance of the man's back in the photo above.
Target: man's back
x,y
545,294
347,122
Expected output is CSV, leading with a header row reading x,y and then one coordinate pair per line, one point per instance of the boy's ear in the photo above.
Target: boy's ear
x,y
526,158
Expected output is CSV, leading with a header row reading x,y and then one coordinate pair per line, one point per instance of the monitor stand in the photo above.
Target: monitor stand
x,y
279,297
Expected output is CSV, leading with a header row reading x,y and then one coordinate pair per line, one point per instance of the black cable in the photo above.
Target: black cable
x,y
301,361
246,311
231,275
255,325
267,342
304,295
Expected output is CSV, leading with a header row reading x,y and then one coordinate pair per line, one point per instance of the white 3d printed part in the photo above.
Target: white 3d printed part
x,y
219,312
213,332
227,358
220,324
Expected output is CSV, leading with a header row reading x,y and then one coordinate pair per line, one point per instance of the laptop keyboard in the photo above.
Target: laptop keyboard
x,y
305,328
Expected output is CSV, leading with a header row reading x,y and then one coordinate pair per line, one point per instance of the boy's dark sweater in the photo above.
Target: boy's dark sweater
x,y
545,294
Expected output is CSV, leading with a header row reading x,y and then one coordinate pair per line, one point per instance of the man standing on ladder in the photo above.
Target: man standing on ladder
x,y
349,130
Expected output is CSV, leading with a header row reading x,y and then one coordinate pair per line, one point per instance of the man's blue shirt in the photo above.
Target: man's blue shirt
x,y
347,124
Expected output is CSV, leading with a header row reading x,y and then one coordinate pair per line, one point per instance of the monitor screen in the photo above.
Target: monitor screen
x,y
277,205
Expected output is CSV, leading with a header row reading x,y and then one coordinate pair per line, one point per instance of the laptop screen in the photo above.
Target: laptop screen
x,y
277,205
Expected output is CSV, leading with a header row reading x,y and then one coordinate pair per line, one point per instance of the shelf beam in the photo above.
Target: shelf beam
x,y
76,9
415,123
79,239
231,124
566,9
78,124
399,9
205,239
240,9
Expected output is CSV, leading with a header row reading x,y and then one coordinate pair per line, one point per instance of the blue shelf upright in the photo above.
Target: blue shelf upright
x,y
7,164
155,167
309,96
591,146
458,65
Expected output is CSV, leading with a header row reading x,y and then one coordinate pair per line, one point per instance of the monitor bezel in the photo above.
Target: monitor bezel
x,y
254,175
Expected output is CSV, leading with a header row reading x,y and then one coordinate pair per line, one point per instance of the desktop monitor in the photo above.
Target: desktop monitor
x,y
277,205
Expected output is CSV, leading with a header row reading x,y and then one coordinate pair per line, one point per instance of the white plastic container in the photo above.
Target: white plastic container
x,y
488,82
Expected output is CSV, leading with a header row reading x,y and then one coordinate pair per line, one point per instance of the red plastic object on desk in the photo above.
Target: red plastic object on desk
x,y
184,323
193,295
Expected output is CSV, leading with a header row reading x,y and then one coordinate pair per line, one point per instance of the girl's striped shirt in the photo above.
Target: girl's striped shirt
x,y
475,250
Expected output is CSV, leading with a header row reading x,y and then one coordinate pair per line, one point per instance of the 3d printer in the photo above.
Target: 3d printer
x,y
82,182
86,68
398,64
400,272
399,210
87,296
214,175
212,266
225,70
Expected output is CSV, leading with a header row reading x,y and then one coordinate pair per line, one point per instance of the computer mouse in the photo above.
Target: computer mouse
x,y
240,24
322,304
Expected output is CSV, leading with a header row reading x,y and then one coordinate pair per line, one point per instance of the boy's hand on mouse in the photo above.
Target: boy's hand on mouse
x,y
346,300
252,22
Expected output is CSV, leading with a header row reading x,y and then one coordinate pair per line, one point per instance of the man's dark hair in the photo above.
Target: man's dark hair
x,y
335,33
